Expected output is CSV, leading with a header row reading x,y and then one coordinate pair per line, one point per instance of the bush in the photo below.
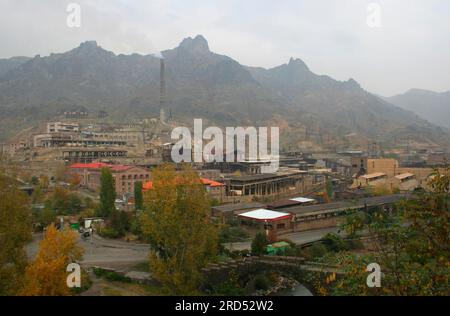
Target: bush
x,y
135,226
354,244
262,283
120,222
237,253
232,234
107,232
230,288
86,283
317,250
294,251
111,275
334,243
259,244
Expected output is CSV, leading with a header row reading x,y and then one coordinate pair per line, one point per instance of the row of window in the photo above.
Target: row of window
x,y
136,176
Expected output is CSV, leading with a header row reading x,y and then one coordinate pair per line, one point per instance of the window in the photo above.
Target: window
x,y
281,226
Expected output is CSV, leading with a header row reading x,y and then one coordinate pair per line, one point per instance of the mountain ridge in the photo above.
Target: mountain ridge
x,y
430,105
201,83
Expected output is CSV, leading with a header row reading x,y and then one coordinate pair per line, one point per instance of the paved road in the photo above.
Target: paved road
x,y
298,238
121,255
106,253
99,251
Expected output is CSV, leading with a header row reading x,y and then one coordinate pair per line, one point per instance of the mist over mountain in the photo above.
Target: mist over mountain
x,y
430,105
201,83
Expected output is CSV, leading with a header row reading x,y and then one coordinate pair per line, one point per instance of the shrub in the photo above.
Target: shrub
x,y
111,275
86,283
232,234
230,288
262,282
354,244
294,251
107,232
259,244
334,243
317,250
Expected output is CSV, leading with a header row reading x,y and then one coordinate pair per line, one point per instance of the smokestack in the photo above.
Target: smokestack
x,y
162,90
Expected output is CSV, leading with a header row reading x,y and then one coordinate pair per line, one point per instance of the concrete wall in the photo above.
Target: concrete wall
x,y
319,223
388,166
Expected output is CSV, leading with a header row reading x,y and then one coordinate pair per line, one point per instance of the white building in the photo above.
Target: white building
x,y
59,127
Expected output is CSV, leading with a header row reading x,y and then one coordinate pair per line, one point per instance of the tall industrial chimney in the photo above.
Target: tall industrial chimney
x,y
162,91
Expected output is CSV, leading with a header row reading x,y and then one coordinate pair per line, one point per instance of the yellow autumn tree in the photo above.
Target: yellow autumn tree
x,y
176,223
46,275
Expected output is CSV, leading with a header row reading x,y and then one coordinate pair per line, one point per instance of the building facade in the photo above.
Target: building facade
x,y
125,177
60,127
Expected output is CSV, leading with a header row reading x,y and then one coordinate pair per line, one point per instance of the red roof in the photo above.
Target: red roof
x,y
149,184
119,167
100,165
211,183
94,165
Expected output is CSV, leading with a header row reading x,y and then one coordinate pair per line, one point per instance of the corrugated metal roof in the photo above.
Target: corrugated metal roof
x,y
302,200
263,214
373,175
404,175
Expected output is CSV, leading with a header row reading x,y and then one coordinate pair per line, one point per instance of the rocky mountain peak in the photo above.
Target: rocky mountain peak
x,y
89,48
88,45
352,83
195,45
297,63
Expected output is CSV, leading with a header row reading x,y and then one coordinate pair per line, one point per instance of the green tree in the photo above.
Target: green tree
x,y
412,243
330,189
74,204
176,223
47,217
64,201
119,222
37,195
15,232
334,242
107,193
259,244
34,180
138,197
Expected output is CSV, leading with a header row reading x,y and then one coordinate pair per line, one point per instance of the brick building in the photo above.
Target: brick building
x,y
273,222
124,176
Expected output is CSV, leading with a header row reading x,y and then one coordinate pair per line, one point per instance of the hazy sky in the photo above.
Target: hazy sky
x,y
411,49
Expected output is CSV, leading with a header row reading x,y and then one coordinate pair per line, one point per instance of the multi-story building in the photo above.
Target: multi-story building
x,y
60,127
285,181
363,165
124,176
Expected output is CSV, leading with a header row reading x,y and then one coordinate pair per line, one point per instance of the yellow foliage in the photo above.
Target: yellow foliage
x,y
46,275
177,223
